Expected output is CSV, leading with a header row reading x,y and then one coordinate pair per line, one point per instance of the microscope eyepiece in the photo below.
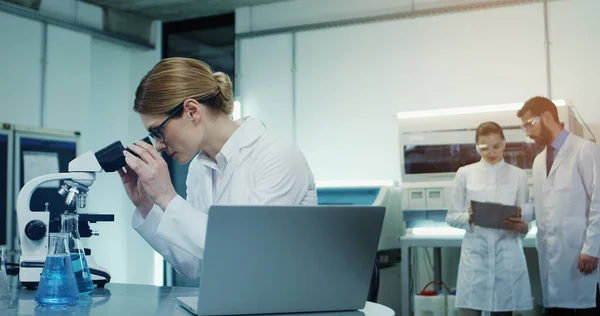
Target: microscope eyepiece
x,y
111,157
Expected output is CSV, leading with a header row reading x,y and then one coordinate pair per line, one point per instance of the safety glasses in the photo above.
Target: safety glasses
x,y
484,148
531,123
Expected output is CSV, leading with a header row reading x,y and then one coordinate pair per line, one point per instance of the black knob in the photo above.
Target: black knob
x,y
35,230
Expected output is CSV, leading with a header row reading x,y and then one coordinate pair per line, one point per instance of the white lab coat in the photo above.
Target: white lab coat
x,y
252,169
492,273
567,214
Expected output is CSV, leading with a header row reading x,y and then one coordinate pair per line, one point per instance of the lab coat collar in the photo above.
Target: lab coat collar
x,y
560,140
495,166
249,131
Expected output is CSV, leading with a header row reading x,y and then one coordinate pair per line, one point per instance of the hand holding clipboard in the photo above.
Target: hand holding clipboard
x,y
517,224
496,215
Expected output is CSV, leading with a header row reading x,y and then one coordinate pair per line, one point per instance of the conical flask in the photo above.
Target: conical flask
x,y
5,297
57,283
70,225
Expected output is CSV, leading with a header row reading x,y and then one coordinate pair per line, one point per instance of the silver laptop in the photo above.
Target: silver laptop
x,y
287,259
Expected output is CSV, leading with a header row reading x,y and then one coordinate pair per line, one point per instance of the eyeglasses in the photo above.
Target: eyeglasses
x,y
531,123
157,132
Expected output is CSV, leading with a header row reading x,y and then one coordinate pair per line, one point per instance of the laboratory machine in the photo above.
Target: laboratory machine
x,y
34,226
379,193
435,143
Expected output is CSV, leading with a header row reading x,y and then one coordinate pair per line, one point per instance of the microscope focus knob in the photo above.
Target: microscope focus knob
x,y
35,230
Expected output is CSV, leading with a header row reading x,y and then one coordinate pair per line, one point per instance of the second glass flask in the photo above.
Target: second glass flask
x,y
70,225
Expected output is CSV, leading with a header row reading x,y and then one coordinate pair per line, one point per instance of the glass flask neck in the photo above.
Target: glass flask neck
x,y
70,224
2,258
58,244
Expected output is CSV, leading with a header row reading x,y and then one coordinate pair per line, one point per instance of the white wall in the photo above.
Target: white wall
x,y
350,81
90,87
68,81
272,105
20,96
574,63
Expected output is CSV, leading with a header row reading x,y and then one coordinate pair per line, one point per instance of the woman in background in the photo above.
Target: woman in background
x,y
492,273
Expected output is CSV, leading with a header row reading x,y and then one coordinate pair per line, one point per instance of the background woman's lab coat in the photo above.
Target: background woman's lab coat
x,y
492,273
567,215
251,169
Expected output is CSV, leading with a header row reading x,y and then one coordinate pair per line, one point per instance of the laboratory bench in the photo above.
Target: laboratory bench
x,y
134,299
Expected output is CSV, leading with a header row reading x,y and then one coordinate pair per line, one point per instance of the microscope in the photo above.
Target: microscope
x,y
34,226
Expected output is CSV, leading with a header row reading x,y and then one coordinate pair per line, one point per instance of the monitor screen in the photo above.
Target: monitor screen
x,y
45,156
423,159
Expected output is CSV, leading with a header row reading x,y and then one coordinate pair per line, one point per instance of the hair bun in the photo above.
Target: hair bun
x,y
225,91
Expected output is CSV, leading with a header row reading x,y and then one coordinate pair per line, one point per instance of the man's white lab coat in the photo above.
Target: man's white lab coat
x,y
567,214
252,169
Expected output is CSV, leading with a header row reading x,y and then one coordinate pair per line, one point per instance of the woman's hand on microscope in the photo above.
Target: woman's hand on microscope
x,y
152,172
135,191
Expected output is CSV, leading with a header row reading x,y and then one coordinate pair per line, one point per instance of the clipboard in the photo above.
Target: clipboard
x,y
492,215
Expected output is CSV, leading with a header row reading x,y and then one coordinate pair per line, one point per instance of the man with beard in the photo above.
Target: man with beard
x,y
566,183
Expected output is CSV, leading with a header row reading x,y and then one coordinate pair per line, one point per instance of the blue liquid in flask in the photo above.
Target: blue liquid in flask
x,y
57,283
70,226
82,274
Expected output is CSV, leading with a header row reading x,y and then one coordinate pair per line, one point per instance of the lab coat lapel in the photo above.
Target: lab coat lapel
x,y
207,181
227,174
560,156
248,133
207,178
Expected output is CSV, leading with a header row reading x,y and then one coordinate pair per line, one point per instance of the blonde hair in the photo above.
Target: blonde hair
x,y
173,80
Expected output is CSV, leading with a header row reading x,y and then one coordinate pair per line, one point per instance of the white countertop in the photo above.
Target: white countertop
x,y
446,237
